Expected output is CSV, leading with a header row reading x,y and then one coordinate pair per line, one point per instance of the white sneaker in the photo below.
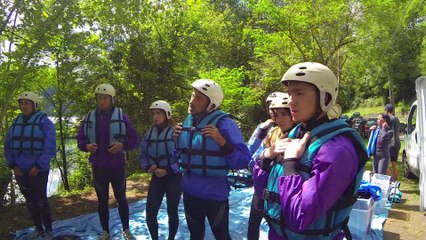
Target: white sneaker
x,y
104,236
128,235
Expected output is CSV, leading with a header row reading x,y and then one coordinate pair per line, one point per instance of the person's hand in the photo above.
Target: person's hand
x,y
177,130
281,145
34,172
92,147
160,172
296,147
213,132
385,125
115,147
152,168
373,127
17,171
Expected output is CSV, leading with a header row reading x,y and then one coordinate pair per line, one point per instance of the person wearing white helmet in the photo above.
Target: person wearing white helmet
x,y
106,133
29,147
322,165
255,147
156,158
209,144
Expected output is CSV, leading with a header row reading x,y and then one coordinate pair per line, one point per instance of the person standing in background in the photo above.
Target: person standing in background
x,y
378,144
395,143
255,147
106,133
29,147
156,157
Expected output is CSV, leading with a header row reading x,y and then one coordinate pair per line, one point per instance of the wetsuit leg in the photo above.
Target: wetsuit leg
x,y
27,189
153,203
40,190
173,194
256,215
218,216
195,213
118,183
101,183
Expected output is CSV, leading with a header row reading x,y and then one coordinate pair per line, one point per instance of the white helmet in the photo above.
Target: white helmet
x,y
274,95
163,105
211,90
280,101
30,96
334,112
318,75
105,88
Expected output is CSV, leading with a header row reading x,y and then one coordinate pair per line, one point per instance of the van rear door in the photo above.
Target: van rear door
x,y
421,108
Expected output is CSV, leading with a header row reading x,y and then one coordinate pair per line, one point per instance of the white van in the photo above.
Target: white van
x,y
414,153
411,151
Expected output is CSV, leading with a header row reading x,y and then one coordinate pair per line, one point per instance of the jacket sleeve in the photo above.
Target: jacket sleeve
x,y
388,134
143,158
49,150
333,170
255,156
256,139
81,139
239,155
131,140
260,178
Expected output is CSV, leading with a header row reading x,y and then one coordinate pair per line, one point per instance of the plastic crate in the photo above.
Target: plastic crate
x,y
360,218
383,181
380,206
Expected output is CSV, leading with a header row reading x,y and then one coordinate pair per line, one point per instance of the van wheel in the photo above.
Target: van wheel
x,y
407,173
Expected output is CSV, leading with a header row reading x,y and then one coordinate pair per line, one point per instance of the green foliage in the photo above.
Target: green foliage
x,y
151,50
5,177
80,170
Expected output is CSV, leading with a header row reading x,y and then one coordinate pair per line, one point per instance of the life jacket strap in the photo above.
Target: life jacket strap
x,y
200,166
214,153
325,231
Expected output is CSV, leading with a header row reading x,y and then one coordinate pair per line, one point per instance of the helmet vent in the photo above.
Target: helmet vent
x,y
301,73
303,67
205,89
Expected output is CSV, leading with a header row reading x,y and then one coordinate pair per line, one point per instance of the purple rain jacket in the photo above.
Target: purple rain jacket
x,y
102,158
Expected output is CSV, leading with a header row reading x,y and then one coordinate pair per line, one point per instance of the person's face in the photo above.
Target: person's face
x,y
198,103
158,116
26,107
104,101
380,120
303,100
283,119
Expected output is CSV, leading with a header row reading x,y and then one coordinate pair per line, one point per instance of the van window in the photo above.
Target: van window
x,y
411,124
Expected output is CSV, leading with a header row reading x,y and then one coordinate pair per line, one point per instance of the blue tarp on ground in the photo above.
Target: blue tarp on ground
x,y
87,226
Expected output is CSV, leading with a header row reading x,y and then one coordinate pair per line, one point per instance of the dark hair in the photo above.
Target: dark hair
x,y
389,108
386,117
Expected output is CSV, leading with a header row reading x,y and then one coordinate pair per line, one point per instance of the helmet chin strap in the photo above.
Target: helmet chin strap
x,y
311,122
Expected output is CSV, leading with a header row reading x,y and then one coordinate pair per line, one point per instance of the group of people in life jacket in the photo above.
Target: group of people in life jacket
x,y
306,167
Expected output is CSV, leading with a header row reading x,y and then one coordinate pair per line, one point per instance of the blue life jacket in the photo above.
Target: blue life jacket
x,y
160,147
201,155
26,136
117,129
336,219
